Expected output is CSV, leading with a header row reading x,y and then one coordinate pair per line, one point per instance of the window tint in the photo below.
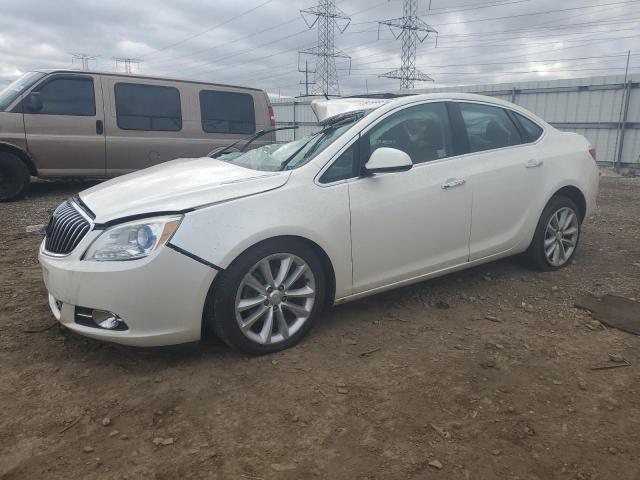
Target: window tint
x,y
148,107
346,166
227,112
532,130
68,96
421,131
488,127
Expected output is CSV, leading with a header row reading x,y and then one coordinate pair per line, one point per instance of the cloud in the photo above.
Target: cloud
x,y
478,42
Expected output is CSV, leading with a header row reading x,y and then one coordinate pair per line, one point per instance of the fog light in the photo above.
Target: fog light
x,y
107,320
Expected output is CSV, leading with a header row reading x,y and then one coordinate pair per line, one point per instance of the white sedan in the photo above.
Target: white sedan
x,y
253,245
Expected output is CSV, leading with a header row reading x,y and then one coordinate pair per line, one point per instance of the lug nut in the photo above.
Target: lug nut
x,y
266,302
281,287
284,299
269,289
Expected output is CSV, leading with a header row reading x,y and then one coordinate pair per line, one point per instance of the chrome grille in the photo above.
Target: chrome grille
x,y
65,230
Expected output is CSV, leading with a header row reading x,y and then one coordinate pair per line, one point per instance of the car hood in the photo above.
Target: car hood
x,y
176,186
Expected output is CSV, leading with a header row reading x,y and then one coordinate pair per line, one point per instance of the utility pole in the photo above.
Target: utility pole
x,y
622,120
306,82
83,58
328,18
411,29
128,63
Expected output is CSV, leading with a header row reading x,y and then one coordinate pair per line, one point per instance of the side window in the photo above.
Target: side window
x,y
148,107
532,130
67,96
422,132
488,127
227,112
346,166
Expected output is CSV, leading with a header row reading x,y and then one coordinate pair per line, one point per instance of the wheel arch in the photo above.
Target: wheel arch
x,y
570,191
327,266
21,154
575,194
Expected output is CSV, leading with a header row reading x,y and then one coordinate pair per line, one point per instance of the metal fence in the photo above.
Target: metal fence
x,y
606,110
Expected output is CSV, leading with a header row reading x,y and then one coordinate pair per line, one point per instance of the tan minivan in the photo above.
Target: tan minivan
x,y
65,123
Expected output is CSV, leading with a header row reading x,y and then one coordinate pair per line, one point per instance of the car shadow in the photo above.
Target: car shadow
x,y
54,188
332,321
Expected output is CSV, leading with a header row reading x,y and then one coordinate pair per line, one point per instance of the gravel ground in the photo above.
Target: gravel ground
x,y
477,375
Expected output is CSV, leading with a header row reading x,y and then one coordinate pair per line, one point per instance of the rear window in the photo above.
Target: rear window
x,y
227,112
533,130
488,127
148,107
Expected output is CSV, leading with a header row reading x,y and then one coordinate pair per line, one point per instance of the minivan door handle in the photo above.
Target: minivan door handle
x,y
99,127
533,163
453,183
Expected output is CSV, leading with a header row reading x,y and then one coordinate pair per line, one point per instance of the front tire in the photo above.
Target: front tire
x,y
557,234
268,298
14,177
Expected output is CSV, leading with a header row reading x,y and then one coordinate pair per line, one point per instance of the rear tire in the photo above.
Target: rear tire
x,y
258,315
14,177
557,234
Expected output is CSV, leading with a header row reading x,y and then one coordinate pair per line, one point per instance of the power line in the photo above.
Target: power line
x,y
242,14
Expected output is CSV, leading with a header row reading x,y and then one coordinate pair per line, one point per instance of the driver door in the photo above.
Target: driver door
x,y
408,224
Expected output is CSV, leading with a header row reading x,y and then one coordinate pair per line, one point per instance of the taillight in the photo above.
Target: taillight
x,y
592,151
272,117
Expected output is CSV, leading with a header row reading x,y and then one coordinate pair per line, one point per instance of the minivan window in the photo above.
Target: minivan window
x,y
488,127
532,130
227,112
67,96
421,131
148,107
9,93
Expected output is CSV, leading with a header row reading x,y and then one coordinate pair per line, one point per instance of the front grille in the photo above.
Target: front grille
x,y
65,230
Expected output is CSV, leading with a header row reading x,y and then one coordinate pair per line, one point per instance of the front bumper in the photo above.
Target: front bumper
x,y
160,297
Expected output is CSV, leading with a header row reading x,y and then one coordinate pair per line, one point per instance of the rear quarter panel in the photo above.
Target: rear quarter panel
x,y
567,162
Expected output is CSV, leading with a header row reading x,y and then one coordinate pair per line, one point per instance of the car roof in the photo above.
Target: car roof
x,y
138,76
326,110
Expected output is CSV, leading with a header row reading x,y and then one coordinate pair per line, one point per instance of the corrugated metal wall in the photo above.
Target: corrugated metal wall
x,y
593,107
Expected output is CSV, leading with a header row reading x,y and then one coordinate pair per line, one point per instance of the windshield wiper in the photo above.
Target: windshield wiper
x,y
250,139
338,122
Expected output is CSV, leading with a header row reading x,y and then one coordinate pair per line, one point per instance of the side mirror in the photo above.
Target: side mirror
x,y
34,102
387,160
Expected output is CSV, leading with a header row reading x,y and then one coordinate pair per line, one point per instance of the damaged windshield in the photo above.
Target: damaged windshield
x,y
287,156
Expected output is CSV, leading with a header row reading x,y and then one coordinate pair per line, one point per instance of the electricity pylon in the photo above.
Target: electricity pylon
x,y
411,29
328,18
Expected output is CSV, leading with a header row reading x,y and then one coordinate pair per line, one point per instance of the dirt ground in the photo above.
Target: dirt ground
x,y
415,383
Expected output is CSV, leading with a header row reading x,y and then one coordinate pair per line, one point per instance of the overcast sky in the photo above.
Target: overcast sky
x,y
255,42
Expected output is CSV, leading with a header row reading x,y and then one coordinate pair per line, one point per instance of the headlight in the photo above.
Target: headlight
x,y
132,240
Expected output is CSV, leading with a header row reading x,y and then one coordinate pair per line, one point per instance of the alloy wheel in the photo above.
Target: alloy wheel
x,y
275,298
561,236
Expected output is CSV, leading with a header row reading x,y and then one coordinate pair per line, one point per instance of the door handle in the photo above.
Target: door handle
x,y
453,183
533,163
99,127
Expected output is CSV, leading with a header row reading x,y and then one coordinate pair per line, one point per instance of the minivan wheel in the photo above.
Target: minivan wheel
x,y
14,177
269,297
556,237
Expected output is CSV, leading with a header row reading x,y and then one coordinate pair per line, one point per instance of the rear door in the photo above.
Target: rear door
x,y
148,122
65,128
503,173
